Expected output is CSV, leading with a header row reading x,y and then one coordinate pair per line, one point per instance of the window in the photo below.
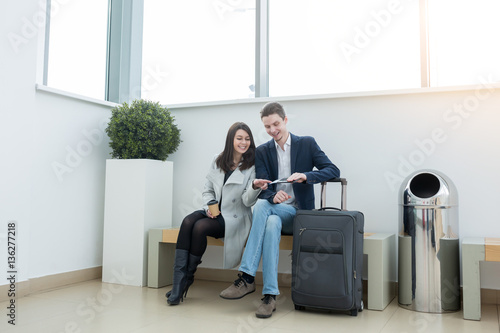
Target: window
x,y
464,41
198,50
205,50
324,46
77,47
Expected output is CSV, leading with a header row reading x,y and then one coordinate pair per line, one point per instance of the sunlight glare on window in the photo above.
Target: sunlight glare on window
x,y
77,47
199,50
464,47
332,46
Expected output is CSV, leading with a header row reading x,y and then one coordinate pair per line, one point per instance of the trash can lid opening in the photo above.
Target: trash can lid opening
x,y
425,185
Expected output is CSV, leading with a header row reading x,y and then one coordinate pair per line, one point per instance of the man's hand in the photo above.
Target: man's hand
x,y
280,197
297,177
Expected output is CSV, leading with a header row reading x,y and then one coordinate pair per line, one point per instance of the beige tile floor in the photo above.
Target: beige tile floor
x,y
94,306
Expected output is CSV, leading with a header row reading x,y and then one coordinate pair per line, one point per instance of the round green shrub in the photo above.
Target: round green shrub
x,y
143,130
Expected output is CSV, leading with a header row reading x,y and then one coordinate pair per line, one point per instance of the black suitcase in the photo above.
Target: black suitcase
x,y
327,257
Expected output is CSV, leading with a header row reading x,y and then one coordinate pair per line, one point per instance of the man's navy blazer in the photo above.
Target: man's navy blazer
x,y
305,155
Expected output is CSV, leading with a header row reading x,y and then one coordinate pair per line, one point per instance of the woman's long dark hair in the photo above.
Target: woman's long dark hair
x,y
225,159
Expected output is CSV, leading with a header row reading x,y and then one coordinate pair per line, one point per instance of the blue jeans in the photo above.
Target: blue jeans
x,y
264,240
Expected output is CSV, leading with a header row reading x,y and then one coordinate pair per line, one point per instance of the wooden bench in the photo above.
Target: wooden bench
x,y
475,250
379,247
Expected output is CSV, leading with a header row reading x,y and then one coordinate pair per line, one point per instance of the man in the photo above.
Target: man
x,y
293,158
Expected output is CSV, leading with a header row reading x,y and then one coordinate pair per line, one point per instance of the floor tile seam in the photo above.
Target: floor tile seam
x,y
101,315
202,301
60,299
102,310
388,319
85,301
219,320
270,325
249,314
143,327
181,312
156,311
30,299
64,286
58,288
230,322
22,324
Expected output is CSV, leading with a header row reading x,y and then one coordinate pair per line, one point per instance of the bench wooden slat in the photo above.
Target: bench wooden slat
x,y
492,249
170,236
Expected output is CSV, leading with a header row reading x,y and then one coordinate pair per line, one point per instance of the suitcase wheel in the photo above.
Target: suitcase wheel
x,y
354,312
299,307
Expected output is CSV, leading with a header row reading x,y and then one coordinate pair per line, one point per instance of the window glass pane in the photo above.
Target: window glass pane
x,y
77,47
464,41
198,50
330,46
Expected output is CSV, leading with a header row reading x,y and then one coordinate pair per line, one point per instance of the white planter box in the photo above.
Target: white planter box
x,y
138,197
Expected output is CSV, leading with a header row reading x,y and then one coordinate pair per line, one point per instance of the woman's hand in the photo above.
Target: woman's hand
x,y
260,183
210,214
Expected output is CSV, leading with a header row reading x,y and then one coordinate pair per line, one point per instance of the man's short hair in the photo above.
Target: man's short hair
x,y
273,108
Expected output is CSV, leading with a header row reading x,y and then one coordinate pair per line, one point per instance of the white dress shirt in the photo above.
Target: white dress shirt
x,y
285,168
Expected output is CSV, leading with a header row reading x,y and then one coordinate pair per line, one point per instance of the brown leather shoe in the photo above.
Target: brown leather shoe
x,y
267,307
238,289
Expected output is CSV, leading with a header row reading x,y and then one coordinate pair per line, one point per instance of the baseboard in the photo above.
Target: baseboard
x,y
49,282
488,296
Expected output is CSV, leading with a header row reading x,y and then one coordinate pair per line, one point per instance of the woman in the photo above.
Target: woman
x,y
231,181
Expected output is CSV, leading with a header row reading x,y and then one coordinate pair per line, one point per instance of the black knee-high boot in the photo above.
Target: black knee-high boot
x,y
193,263
180,274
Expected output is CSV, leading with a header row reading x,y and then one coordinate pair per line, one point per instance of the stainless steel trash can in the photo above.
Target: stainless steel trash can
x,y
428,270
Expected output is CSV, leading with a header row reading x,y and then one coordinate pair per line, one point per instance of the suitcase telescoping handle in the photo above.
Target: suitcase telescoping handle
x,y
343,202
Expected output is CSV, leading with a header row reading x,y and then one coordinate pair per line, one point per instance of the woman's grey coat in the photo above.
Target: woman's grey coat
x,y
238,197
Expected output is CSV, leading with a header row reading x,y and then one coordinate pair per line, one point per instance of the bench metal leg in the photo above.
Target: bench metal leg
x,y
380,249
160,260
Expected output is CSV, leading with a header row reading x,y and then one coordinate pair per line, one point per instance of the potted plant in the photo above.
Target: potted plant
x,y
138,193
143,130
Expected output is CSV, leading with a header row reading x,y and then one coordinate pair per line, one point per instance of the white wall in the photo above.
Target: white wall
x,y
61,218
370,139
59,214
